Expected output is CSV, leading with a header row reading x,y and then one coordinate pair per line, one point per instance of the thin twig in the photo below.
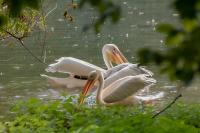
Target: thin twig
x,y
180,86
44,42
21,42
30,52
44,39
43,53
51,10
168,106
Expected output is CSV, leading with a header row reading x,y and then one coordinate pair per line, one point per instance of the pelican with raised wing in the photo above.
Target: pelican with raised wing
x,y
78,69
110,76
121,91
111,54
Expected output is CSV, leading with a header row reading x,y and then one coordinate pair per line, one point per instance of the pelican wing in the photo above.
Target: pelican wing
x,y
129,70
115,69
145,71
72,65
135,70
125,87
70,84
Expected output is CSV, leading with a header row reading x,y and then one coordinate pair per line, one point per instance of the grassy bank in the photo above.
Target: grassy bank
x,y
36,116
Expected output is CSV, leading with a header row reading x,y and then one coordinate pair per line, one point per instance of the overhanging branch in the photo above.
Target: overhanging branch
x,y
22,44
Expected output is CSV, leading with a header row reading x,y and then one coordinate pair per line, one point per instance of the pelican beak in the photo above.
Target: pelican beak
x,y
118,57
87,87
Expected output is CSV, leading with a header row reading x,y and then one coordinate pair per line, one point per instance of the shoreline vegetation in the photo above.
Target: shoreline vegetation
x,y
37,116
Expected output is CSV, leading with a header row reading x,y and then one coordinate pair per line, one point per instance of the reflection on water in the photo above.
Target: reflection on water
x,y
20,73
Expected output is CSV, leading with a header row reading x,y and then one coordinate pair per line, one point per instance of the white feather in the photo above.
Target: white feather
x,y
127,70
125,87
72,65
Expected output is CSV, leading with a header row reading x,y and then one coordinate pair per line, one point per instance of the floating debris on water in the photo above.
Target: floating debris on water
x,y
16,67
1,73
75,45
98,35
153,21
52,29
129,7
130,13
67,37
43,95
124,2
148,22
127,35
75,28
132,26
17,96
141,13
175,14
122,19
1,87
60,20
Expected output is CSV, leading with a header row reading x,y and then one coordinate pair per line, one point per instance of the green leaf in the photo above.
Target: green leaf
x,y
3,20
186,8
190,24
165,28
116,15
174,38
33,3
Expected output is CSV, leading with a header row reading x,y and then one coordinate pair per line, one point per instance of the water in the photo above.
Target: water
x,y
20,73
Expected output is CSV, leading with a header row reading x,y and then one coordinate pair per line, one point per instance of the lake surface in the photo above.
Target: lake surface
x,y
20,73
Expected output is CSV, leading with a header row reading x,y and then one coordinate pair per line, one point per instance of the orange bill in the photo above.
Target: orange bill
x,y
87,87
119,58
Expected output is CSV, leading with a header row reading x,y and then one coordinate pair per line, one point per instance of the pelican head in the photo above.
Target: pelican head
x,y
112,54
92,78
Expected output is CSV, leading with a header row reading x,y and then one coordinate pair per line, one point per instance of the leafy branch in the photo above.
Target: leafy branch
x,y
19,18
181,59
107,9
20,40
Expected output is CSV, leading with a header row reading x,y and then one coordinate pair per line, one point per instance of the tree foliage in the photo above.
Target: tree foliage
x,y
19,17
16,7
181,59
106,9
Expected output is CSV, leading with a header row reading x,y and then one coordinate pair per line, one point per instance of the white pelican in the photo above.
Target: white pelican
x,y
79,69
111,54
76,81
111,75
119,92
